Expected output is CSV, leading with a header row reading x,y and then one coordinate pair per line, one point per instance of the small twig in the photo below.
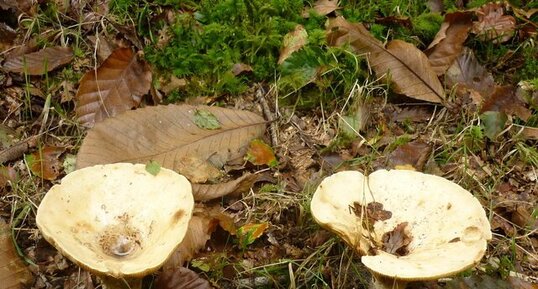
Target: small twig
x,y
17,150
260,95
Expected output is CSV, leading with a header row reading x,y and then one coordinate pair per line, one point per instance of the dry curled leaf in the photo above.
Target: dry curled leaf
x,y
292,42
448,43
469,75
13,272
181,278
40,62
198,170
396,241
322,7
410,155
409,68
240,68
167,134
492,24
45,163
116,86
206,192
504,99
203,222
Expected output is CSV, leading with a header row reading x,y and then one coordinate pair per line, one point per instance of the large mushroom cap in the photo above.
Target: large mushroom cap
x,y
117,219
447,225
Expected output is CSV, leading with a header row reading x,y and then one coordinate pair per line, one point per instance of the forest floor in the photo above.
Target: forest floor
x,y
274,96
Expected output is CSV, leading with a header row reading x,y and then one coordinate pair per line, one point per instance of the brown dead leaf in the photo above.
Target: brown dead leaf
x,y
18,6
45,163
518,283
482,281
292,42
234,188
374,212
197,170
448,43
79,280
116,86
322,7
492,24
40,62
180,278
240,68
173,84
504,99
202,224
435,5
530,132
396,241
469,75
7,36
102,46
413,154
166,134
7,174
13,272
259,153
409,68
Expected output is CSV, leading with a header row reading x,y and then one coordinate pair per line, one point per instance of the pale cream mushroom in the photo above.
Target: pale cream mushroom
x,y
118,220
447,225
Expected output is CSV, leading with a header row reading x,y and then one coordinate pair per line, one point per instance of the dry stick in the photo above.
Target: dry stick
x,y
17,150
260,95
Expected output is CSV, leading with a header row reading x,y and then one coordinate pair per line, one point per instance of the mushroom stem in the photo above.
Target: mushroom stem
x,y
384,282
122,283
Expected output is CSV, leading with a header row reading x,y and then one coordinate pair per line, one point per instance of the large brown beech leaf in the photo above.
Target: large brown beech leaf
x,y
40,62
409,68
448,43
116,86
167,134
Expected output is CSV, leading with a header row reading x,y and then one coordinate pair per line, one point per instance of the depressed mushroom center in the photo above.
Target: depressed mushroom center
x,y
120,239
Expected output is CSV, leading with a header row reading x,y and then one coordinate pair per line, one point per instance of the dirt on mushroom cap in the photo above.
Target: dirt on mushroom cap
x,y
438,248
74,215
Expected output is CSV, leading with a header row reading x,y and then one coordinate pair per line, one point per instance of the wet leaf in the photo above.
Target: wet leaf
x,y
180,278
153,167
292,42
247,234
259,153
203,222
492,24
116,86
409,68
40,62
448,43
505,99
466,72
493,123
167,134
13,272
413,154
45,163
205,119
322,7
203,192
396,241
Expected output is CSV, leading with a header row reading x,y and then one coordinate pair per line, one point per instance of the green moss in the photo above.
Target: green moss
x,y
427,25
